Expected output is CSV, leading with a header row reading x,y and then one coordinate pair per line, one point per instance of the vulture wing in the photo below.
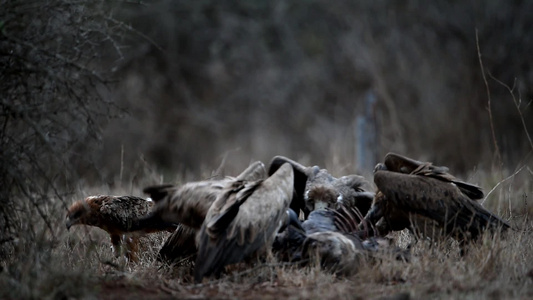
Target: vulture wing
x,y
179,245
355,182
243,222
188,204
301,174
255,171
401,164
432,198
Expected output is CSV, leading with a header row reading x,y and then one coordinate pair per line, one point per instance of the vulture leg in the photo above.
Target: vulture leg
x,y
132,247
115,241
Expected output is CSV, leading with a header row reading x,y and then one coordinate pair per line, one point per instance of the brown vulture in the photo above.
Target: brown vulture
x,y
427,200
116,215
187,205
242,222
315,188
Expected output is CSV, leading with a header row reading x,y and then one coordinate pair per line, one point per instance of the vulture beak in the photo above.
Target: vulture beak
x,y
69,223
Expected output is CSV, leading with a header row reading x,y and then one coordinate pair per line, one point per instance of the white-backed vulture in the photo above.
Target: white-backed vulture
x,y
423,197
315,188
242,223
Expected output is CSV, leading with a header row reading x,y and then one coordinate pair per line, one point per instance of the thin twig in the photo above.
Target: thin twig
x,y
496,148
55,55
121,162
128,27
502,181
517,105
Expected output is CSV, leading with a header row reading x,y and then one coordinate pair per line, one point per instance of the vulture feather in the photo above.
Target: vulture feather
x,y
397,163
188,204
243,221
180,245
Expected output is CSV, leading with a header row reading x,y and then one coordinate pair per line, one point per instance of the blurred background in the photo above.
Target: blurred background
x,y
337,84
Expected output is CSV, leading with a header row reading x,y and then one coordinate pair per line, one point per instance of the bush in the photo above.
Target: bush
x,y
57,59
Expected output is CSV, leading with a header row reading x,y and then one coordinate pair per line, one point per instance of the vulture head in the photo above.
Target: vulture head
x,y
80,212
315,188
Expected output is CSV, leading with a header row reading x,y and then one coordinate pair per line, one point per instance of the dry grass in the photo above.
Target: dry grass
x,y
80,264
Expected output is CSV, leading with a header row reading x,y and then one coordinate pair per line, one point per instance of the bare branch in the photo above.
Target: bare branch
x,y
489,106
517,103
502,181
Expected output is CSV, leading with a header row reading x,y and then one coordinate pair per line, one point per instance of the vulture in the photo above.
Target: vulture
x,y
315,188
243,221
114,214
428,201
332,239
187,205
